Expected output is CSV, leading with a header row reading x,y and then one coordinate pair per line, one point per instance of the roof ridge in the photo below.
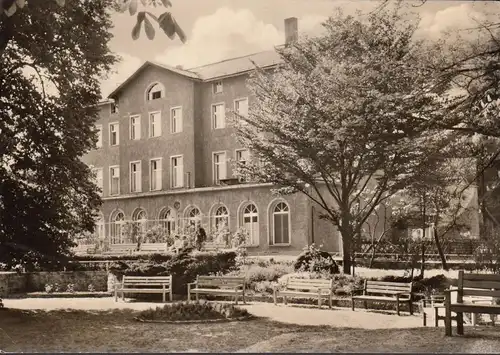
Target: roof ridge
x,y
233,58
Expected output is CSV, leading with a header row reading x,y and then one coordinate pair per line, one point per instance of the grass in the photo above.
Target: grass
x,y
115,331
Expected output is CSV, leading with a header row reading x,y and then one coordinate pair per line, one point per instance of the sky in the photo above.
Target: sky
x,y
222,29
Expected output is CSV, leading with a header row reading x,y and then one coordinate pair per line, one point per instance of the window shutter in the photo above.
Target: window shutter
x,y
139,177
223,166
159,174
180,172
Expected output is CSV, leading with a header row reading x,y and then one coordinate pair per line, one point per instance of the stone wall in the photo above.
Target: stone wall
x,y
12,283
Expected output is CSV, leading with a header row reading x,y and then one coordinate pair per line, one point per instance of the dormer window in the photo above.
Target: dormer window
x,y
156,91
217,87
114,108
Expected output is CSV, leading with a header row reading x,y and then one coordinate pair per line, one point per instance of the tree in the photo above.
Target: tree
x,y
440,198
337,120
8,8
49,75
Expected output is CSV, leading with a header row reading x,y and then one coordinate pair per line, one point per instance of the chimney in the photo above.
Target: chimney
x,y
291,30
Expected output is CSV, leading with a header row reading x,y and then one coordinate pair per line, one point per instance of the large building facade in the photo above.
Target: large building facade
x,y
166,155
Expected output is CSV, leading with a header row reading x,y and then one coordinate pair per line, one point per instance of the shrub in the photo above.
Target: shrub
x,y
193,311
256,273
429,285
312,259
184,267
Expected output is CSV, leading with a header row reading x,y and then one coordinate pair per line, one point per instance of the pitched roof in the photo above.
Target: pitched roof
x,y
150,63
237,65
228,67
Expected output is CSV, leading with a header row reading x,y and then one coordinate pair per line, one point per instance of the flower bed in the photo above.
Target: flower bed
x,y
193,312
76,294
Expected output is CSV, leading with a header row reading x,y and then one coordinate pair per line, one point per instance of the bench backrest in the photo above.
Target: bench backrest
x,y
153,247
147,280
122,247
214,246
308,284
220,281
387,287
483,285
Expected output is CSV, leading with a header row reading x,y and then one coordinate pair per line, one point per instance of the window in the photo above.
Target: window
x,y
281,223
168,221
135,177
114,180
218,116
114,108
242,157
221,218
241,107
251,223
141,220
99,179
155,124
177,172
117,228
156,91
176,120
99,228
135,127
217,87
114,134
193,216
98,128
155,174
219,168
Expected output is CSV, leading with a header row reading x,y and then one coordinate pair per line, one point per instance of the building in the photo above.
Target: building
x,y
165,157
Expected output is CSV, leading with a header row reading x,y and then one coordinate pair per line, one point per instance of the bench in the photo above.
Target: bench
x,y
475,285
117,249
145,284
217,285
383,291
306,288
211,246
153,248
83,249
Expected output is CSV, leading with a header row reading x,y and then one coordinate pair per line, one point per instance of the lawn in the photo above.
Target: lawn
x,y
115,331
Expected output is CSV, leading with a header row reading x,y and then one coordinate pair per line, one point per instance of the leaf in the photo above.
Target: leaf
x,y
11,10
180,32
61,2
150,31
132,9
136,31
166,3
20,3
167,24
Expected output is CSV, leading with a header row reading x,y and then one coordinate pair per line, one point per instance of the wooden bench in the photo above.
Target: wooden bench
x,y
211,246
145,284
119,249
217,285
476,285
153,248
383,291
306,288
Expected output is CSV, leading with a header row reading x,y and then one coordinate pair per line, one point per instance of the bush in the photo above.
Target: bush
x,y
257,273
182,311
312,259
342,284
184,267
429,285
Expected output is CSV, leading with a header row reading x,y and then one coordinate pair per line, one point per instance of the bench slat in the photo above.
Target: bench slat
x,y
311,284
388,287
388,283
481,284
379,298
475,308
481,277
480,292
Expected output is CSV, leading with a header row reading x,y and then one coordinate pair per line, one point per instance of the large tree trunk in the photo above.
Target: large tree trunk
x,y
346,250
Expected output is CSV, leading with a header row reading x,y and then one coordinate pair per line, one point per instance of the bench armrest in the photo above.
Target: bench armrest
x,y
190,284
450,291
403,294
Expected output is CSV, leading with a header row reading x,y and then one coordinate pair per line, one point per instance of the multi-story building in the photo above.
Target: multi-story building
x,y
165,155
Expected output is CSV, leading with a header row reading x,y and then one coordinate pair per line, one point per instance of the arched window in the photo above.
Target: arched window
x,y
140,218
193,216
117,228
168,219
221,218
156,91
250,222
281,224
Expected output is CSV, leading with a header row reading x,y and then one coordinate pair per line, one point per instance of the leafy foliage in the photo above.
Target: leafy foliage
x,y
50,71
313,259
181,311
339,119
